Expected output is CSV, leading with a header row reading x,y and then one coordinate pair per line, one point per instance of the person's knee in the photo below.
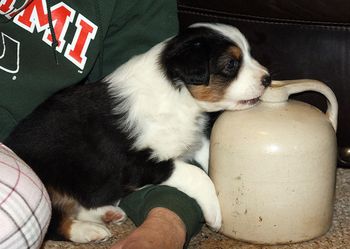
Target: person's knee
x,y
26,205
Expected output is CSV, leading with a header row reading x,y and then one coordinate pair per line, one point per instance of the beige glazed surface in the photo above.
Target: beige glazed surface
x,y
274,166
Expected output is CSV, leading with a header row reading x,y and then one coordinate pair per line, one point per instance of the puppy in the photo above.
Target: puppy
x,y
93,144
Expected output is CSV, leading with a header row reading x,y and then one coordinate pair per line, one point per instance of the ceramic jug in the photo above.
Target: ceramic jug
x,y
274,166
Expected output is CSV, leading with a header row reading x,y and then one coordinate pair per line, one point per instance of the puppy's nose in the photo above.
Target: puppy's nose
x,y
266,80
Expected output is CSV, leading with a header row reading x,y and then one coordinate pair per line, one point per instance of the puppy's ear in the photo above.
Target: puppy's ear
x,y
188,63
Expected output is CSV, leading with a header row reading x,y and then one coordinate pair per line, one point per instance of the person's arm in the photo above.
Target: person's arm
x,y
139,205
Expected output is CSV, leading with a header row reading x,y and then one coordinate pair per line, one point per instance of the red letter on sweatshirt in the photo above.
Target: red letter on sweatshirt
x,y
76,51
62,15
6,6
35,15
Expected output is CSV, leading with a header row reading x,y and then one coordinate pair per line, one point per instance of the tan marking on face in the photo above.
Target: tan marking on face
x,y
235,52
214,92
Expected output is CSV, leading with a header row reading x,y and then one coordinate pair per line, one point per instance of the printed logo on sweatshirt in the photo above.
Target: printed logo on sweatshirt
x,y
8,8
9,56
35,18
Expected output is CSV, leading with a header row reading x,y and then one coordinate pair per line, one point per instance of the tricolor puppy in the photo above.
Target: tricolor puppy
x,y
93,144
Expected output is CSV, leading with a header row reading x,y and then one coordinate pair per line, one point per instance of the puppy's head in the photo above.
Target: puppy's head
x,y
213,62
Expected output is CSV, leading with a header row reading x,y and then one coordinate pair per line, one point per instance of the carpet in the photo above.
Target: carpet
x,y
338,236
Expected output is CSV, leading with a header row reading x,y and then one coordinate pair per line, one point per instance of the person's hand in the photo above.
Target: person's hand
x,y
162,229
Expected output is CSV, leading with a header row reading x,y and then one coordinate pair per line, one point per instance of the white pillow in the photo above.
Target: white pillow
x,y
25,207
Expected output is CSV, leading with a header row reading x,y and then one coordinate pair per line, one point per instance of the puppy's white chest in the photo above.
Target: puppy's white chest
x,y
172,136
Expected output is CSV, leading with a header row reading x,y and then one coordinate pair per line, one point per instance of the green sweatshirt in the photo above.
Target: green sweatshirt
x,y
92,38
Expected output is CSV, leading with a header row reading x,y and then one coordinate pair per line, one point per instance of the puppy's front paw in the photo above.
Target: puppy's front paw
x,y
85,231
208,201
211,210
197,184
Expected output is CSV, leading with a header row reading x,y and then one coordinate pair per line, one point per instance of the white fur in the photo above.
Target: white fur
x,y
170,121
156,112
202,155
86,231
88,225
196,183
96,215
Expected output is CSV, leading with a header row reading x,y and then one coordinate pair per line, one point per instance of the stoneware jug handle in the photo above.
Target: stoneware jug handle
x,y
280,90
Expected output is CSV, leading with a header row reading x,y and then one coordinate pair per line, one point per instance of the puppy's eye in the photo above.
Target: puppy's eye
x,y
232,65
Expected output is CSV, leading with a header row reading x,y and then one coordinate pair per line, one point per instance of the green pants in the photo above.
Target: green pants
x,y
138,204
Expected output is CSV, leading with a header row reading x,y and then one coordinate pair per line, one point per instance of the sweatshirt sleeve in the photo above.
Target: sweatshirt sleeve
x,y
138,204
135,26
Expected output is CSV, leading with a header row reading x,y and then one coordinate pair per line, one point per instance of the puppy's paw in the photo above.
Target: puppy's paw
x,y
105,214
208,201
197,184
114,215
212,214
85,231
